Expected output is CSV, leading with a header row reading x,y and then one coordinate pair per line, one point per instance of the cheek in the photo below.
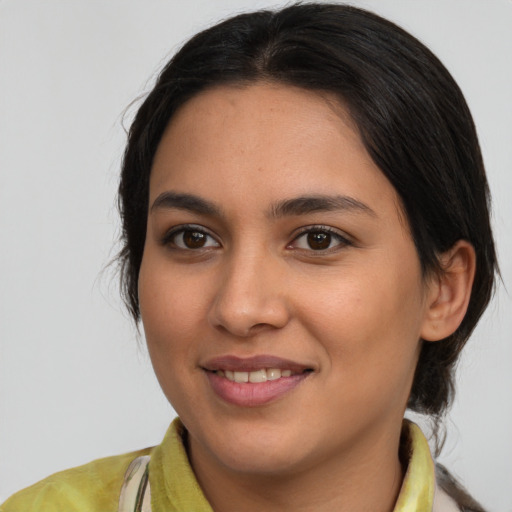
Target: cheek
x,y
169,312
370,322
168,320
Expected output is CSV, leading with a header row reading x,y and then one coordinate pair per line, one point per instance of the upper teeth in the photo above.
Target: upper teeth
x,y
256,376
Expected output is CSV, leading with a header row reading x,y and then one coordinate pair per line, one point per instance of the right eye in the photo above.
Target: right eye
x,y
190,238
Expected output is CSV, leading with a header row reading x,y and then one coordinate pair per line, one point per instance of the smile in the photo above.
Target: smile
x,y
254,381
257,376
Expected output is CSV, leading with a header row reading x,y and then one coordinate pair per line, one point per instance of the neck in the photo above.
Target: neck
x,y
366,478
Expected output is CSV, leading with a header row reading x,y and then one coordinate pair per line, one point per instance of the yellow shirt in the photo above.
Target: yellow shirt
x,y
95,487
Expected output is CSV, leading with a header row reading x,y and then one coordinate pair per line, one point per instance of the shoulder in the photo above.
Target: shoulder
x,y
93,487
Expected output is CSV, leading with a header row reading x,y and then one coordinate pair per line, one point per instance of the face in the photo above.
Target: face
x,y
277,254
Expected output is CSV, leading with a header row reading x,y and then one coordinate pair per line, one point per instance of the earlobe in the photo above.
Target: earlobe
x,y
449,292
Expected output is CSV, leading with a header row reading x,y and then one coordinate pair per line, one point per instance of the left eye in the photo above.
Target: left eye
x,y
191,238
319,240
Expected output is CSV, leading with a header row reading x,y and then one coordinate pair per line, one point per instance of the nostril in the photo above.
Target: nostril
x,y
259,327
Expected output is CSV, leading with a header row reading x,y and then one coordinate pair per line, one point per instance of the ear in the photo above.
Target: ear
x,y
449,292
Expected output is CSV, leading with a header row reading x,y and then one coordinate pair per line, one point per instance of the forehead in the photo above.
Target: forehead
x,y
287,140
265,101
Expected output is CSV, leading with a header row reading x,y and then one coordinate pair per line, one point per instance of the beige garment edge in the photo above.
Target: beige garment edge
x,y
136,493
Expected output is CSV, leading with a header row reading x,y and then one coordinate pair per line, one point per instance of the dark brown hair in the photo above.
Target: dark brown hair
x,y
411,116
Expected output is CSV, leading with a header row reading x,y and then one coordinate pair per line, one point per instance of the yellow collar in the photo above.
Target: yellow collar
x,y
174,487
417,491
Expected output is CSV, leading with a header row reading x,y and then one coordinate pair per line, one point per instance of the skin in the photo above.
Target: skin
x,y
353,313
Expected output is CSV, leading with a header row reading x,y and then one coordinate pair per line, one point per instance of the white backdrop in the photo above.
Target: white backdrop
x,y
74,383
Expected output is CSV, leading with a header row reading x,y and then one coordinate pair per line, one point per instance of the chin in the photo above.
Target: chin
x,y
258,451
263,461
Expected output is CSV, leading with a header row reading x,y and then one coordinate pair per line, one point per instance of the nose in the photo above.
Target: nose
x,y
251,296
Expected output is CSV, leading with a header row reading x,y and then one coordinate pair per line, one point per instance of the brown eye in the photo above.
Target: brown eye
x,y
190,238
318,240
194,239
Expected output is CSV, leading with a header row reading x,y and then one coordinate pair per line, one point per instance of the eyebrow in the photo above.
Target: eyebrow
x,y
302,205
319,203
170,200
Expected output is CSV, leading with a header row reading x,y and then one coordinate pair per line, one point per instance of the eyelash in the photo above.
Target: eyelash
x,y
169,239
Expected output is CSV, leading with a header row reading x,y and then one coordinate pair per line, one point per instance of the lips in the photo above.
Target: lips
x,y
254,381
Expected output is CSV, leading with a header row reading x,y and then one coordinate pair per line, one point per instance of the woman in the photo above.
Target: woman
x,y
307,243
